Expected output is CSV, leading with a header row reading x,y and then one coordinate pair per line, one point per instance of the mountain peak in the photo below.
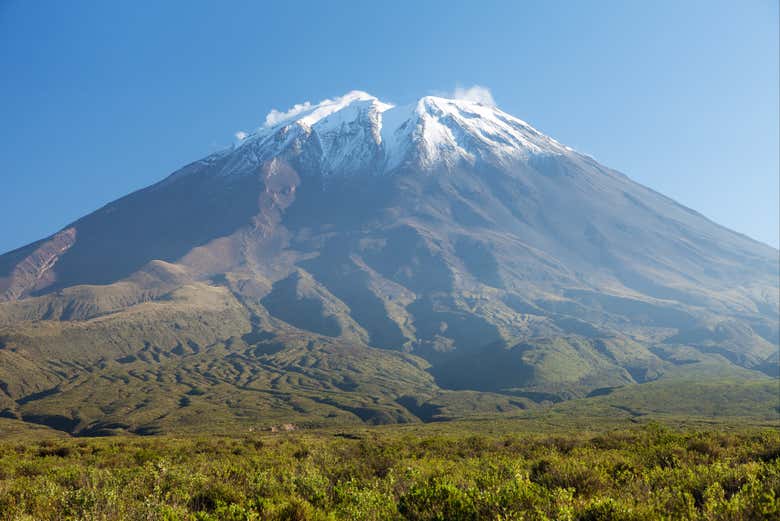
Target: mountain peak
x,y
359,133
309,114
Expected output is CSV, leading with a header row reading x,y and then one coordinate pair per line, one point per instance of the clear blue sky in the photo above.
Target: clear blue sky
x,y
101,98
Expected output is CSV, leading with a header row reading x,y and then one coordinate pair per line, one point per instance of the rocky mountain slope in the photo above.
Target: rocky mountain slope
x,y
354,260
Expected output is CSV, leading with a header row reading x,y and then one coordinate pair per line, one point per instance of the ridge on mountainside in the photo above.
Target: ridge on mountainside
x,y
353,260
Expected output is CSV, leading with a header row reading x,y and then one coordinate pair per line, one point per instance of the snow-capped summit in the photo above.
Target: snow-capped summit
x,y
359,133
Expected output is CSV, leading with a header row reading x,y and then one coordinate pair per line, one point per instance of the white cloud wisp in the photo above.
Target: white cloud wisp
x,y
475,93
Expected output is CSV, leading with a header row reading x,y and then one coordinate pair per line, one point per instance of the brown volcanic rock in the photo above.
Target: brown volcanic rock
x,y
35,270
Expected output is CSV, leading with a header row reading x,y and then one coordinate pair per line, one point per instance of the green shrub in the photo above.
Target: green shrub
x,y
437,500
568,473
212,496
607,510
645,473
299,510
62,451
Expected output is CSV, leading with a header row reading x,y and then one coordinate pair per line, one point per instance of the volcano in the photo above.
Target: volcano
x,y
353,260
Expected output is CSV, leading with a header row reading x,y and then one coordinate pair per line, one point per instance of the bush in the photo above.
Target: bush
x,y
62,452
437,500
391,475
607,510
212,496
570,473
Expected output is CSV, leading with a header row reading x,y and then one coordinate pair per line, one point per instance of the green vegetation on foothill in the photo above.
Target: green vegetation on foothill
x,y
445,471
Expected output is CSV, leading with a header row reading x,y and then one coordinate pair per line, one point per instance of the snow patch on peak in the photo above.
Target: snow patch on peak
x,y
349,137
358,133
309,114
468,129
397,129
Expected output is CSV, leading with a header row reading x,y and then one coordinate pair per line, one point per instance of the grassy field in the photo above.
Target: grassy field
x,y
501,470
